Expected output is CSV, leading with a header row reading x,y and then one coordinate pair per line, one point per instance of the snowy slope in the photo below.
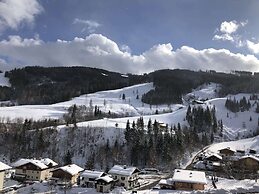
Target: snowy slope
x,y
130,105
4,81
243,144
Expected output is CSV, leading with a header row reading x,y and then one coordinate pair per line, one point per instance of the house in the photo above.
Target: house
x,y
213,157
88,178
165,184
32,169
248,162
66,174
188,180
125,176
226,152
3,168
104,184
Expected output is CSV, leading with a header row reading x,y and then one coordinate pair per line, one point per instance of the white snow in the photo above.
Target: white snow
x,y
4,166
122,170
72,169
91,174
23,161
189,176
4,81
106,178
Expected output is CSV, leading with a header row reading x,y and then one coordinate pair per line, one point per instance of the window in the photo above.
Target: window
x,y
37,172
122,178
115,177
24,171
37,177
122,184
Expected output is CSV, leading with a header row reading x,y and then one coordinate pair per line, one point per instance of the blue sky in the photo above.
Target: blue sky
x,y
130,35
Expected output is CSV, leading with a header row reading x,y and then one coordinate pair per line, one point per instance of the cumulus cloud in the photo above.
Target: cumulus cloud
x,y
88,25
99,51
14,13
254,47
228,32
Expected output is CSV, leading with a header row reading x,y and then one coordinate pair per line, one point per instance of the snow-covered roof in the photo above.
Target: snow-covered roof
x,y
72,169
123,170
165,182
92,174
106,179
214,154
48,161
23,161
228,148
4,166
189,176
250,156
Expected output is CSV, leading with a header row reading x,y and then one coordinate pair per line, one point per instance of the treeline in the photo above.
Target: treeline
x,y
170,85
42,85
236,106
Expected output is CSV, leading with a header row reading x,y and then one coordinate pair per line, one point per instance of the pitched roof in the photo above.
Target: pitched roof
x,y
228,148
189,176
23,161
48,161
106,179
250,156
123,170
92,174
4,166
214,154
72,169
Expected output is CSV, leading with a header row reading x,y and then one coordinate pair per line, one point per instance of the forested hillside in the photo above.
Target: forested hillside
x,y
40,85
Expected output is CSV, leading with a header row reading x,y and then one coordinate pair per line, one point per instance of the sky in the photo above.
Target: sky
x,y
130,36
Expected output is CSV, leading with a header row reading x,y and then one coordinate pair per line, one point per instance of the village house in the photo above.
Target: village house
x,y
3,168
213,157
66,174
104,184
88,178
32,169
249,163
166,184
125,176
227,152
188,180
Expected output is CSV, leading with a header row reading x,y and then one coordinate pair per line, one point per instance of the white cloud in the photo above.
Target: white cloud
x,y
89,25
229,27
254,47
98,51
13,13
228,32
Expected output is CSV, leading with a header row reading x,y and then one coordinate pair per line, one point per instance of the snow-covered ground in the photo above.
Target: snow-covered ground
x,y
110,100
236,125
223,186
243,144
4,81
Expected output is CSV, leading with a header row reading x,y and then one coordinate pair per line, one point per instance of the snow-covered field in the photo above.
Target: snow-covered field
x,y
236,125
106,100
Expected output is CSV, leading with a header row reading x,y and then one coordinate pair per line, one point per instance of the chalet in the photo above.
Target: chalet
x,y
3,168
249,162
66,174
165,184
32,169
213,157
226,152
125,176
88,178
104,184
188,180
